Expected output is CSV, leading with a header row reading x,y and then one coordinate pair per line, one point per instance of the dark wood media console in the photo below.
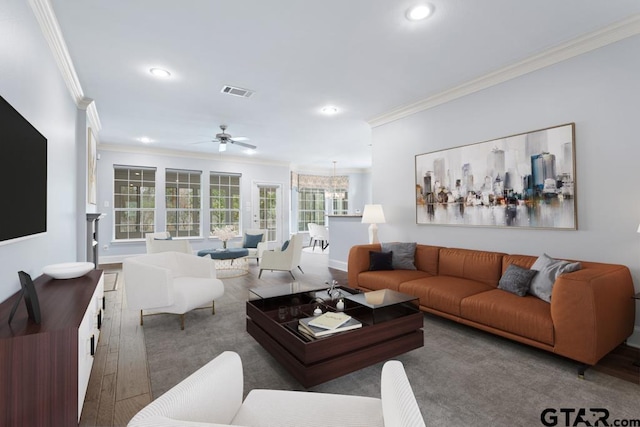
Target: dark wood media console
x,y
45,368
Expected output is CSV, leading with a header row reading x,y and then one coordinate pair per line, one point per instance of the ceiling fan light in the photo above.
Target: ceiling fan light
x,y
159,72
222,147
419,12
329,110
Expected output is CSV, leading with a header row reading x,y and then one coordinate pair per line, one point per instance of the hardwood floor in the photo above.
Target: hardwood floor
x,y
119,384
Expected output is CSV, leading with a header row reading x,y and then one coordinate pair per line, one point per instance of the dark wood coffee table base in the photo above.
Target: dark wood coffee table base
x,y
340,354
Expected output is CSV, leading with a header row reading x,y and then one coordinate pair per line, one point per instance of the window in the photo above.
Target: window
x,y
182,197
134,201
311,207
340,202
224,200
320,195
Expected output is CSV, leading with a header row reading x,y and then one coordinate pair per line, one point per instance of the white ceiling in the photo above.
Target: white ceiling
x,y
362,56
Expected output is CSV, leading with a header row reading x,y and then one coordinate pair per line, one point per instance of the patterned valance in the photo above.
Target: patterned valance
x,y
327,183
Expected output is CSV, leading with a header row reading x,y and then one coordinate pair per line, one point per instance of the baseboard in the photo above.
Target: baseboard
x,y
634,339
114,259
338,265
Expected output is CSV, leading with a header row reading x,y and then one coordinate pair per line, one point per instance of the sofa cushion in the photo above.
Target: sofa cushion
x,y
527,316
516,280
380,261
479,266
426,258
403,254
266,408
524,261
443,293
548,271
374,280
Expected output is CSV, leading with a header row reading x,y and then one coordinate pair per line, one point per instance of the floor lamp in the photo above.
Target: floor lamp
x,y
373,215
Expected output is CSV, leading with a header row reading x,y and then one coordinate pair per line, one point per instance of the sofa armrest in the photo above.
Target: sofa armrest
x,y
262,246
147,285
359,262
212,394
592,311
159,421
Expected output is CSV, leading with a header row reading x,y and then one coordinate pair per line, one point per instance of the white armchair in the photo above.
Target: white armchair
x,y
254,252
212,396
162,242
318,233
170,282
286,260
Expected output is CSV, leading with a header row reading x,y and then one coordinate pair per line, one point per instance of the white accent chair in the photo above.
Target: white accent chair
x,y
253,252
286,260
212,396
170,282
318,233
159,242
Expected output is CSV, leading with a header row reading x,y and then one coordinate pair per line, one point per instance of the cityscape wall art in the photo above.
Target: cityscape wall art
x,y
519,181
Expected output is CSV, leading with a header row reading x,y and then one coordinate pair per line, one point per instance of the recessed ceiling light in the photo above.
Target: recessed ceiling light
x,y
419,12
159,72
144,140
329,110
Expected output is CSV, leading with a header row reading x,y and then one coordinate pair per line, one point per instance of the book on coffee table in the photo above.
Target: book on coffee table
x,y
329,320
305,327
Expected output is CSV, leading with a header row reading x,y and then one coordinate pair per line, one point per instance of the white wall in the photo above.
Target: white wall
x,y
599,91
31,83
251,172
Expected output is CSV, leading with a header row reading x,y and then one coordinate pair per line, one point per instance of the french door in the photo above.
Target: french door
x,y
267,209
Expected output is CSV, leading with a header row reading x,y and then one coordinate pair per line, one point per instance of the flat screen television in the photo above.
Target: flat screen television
x,y
23,173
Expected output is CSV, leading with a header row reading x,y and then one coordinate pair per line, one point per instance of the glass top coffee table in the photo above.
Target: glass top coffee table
x,y
391,325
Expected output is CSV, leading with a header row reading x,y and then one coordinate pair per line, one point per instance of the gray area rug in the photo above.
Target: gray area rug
x,y
110,282
461,377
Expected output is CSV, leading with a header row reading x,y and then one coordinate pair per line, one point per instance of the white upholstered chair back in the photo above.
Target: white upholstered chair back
x,y
399,405
157,242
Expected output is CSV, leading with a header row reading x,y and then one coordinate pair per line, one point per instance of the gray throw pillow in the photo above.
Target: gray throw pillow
x,y
403,254
548,271
516,280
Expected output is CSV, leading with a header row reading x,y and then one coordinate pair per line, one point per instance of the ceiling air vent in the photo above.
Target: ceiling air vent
x,y
237,91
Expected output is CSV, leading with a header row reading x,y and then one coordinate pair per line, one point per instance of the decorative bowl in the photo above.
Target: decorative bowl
x,y
68,270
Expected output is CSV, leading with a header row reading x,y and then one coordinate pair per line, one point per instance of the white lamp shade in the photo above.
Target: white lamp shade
x,y
639,229
373,214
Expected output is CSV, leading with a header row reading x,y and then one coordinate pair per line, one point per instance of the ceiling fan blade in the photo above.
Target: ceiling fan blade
x,y
244,144
222,147
240,138
202,142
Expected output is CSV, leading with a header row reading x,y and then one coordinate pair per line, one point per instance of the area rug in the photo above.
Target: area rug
x,y
461,377
110,282
317,250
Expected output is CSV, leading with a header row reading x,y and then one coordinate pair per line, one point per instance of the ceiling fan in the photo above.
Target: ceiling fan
x,y
224,138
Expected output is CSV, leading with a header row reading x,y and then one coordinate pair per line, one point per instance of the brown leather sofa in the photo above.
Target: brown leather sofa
x,y
591,310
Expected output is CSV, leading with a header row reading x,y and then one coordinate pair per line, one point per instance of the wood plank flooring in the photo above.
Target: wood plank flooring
x,y
119,384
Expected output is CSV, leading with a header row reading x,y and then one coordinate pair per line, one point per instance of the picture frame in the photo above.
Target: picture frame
x,y
526,180
28,292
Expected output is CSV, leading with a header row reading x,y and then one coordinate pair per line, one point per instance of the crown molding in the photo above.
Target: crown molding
x,y
92,116
610,34
187,154
48,22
